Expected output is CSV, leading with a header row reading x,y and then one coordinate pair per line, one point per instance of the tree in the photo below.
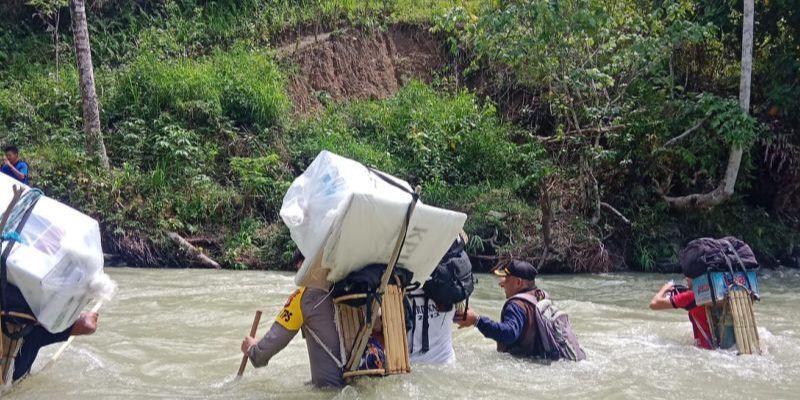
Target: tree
x,y
726,188
49,11
95,146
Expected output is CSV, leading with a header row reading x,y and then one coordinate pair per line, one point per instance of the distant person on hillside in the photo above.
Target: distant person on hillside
x,y
13,166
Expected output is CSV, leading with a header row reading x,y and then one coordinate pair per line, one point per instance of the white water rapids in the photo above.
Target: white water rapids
x,y
176,333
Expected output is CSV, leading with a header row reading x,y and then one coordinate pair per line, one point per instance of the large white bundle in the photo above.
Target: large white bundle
x,y
343,217
58,266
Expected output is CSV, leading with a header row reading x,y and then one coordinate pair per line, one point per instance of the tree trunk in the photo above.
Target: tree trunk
x,y
547,219
735,159
95,146
727,187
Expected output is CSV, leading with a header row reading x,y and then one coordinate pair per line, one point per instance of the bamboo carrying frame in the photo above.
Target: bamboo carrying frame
x,y
10,347
737,309
740,305
355,330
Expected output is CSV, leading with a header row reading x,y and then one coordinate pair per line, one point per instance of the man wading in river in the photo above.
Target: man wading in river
x,y
530,325
309,310
670,296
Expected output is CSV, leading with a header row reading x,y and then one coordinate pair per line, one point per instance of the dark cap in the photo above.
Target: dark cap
x,y
520,269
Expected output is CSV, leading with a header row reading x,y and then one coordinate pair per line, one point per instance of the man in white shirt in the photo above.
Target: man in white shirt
x,y
437,346
434,304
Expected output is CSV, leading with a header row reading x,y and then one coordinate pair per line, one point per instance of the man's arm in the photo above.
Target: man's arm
x,y
286,325
508,330
660,301
272,343
18,173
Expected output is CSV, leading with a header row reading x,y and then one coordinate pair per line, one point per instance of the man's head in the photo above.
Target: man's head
x,y
12,153
516,277
297,259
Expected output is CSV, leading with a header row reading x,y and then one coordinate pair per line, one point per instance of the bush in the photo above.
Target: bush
x,y
259,245
417,134
243,86
262,181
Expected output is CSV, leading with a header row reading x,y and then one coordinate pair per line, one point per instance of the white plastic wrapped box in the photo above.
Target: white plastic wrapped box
x,y
344,216
58,265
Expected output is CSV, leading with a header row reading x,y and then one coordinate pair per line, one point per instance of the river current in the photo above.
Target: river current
x,y
175,334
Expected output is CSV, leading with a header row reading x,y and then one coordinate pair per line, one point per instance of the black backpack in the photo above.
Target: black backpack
x,y
367,281
709,254
452,281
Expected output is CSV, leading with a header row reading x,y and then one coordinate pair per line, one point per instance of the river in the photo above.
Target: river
x,y
176,334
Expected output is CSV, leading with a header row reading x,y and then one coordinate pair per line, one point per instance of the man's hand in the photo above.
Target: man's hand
x,y
6,162
660,300
247,343
470,317
86,324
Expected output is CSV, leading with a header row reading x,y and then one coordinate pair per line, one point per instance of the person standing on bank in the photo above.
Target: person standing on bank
x,y
530,325
13,166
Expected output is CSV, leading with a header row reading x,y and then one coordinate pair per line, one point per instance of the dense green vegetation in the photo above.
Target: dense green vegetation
x,y
202,140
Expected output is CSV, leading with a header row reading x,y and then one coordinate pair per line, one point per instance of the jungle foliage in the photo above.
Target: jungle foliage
x,y
622,103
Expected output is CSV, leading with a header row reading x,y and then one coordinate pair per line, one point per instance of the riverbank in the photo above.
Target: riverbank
x,y
210,110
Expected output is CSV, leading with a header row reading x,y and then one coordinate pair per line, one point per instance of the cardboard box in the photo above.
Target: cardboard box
x,y
719,281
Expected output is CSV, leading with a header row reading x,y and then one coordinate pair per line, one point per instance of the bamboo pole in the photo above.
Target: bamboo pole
x,y
755,326
253,330
741,340
745,325
746,307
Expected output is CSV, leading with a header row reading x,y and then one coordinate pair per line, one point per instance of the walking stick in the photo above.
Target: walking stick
x,y
253,329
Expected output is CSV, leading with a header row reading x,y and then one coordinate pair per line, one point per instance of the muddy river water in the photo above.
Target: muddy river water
x,y
176,333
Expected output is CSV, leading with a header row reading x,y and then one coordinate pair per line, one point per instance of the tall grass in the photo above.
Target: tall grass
x,y
241,85
419,134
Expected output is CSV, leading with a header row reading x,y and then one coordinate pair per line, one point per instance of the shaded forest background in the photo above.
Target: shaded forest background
x,y
562,127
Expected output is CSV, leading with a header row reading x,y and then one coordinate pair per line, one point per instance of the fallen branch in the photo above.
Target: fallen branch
x,y
203,241
615,212
192,251
683,135
700,200
601,129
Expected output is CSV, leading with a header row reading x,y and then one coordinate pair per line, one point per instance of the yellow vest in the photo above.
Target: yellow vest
x,y
291,316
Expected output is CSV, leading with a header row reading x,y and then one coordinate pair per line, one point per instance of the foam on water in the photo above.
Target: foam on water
x,y
176,334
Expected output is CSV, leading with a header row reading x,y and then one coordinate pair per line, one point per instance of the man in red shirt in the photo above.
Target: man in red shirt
x,y
667,298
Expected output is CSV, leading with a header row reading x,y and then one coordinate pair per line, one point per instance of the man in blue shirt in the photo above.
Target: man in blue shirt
x,y
13,166
516,331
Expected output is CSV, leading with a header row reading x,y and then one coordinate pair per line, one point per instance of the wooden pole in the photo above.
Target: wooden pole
x,y
741,340
253,330
746,307
752,314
